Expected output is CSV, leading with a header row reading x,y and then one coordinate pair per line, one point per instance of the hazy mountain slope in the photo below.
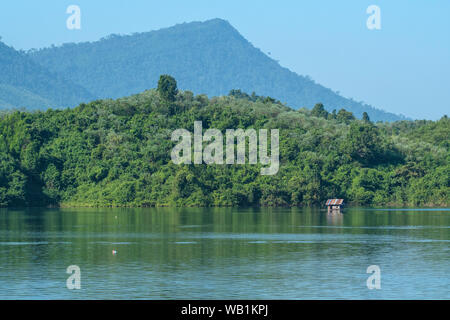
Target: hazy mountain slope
x,y
24,83
209,57
14,97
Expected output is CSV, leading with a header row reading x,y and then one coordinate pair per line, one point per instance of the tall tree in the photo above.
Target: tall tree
x,y
345,116
365,117
364,142
167,87
319,111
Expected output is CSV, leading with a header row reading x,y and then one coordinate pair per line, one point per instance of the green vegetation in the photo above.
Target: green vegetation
x,y
167,88
117,153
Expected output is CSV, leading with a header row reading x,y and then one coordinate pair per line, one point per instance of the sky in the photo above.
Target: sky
x,y
404,67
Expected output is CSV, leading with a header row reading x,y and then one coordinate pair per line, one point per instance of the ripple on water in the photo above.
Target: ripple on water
x,y
31,243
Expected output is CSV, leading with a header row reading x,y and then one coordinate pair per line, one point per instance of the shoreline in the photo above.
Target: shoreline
x,y
393,207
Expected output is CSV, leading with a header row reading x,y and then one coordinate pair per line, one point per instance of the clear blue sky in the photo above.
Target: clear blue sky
x,y
402,68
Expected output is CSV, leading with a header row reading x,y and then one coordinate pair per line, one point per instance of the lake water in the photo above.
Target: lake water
x,y
224,253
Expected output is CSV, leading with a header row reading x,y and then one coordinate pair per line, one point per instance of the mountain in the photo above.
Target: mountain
x,y
24,83
205,57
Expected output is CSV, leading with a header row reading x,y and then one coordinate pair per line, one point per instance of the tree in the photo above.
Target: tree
x,y
364,142
167,87
365,117
319,111
345,116
332,115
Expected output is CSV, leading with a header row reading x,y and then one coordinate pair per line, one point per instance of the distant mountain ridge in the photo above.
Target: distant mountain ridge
x,y
209,57
25,83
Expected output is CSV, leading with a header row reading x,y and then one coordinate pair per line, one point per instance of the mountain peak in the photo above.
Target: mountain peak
x,y
211,23
218,22
209,57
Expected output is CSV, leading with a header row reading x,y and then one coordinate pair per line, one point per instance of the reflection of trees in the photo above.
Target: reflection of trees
x,y
335,218
169,241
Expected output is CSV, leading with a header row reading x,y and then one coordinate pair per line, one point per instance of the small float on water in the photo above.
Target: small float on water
x,y
334,205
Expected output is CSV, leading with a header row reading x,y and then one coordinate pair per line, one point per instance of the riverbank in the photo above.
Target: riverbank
x,y
352,206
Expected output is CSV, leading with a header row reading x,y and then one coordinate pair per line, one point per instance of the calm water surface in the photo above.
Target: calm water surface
x,y
224,253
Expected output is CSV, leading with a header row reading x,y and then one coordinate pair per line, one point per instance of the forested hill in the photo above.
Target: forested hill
x,y
205,57
26,84
117,153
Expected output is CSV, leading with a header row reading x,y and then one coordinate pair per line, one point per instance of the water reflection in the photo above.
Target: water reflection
x,y
335,218
223,253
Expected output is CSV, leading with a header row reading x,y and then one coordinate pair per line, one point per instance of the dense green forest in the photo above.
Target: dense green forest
x,y
26,84
117,153
209,57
